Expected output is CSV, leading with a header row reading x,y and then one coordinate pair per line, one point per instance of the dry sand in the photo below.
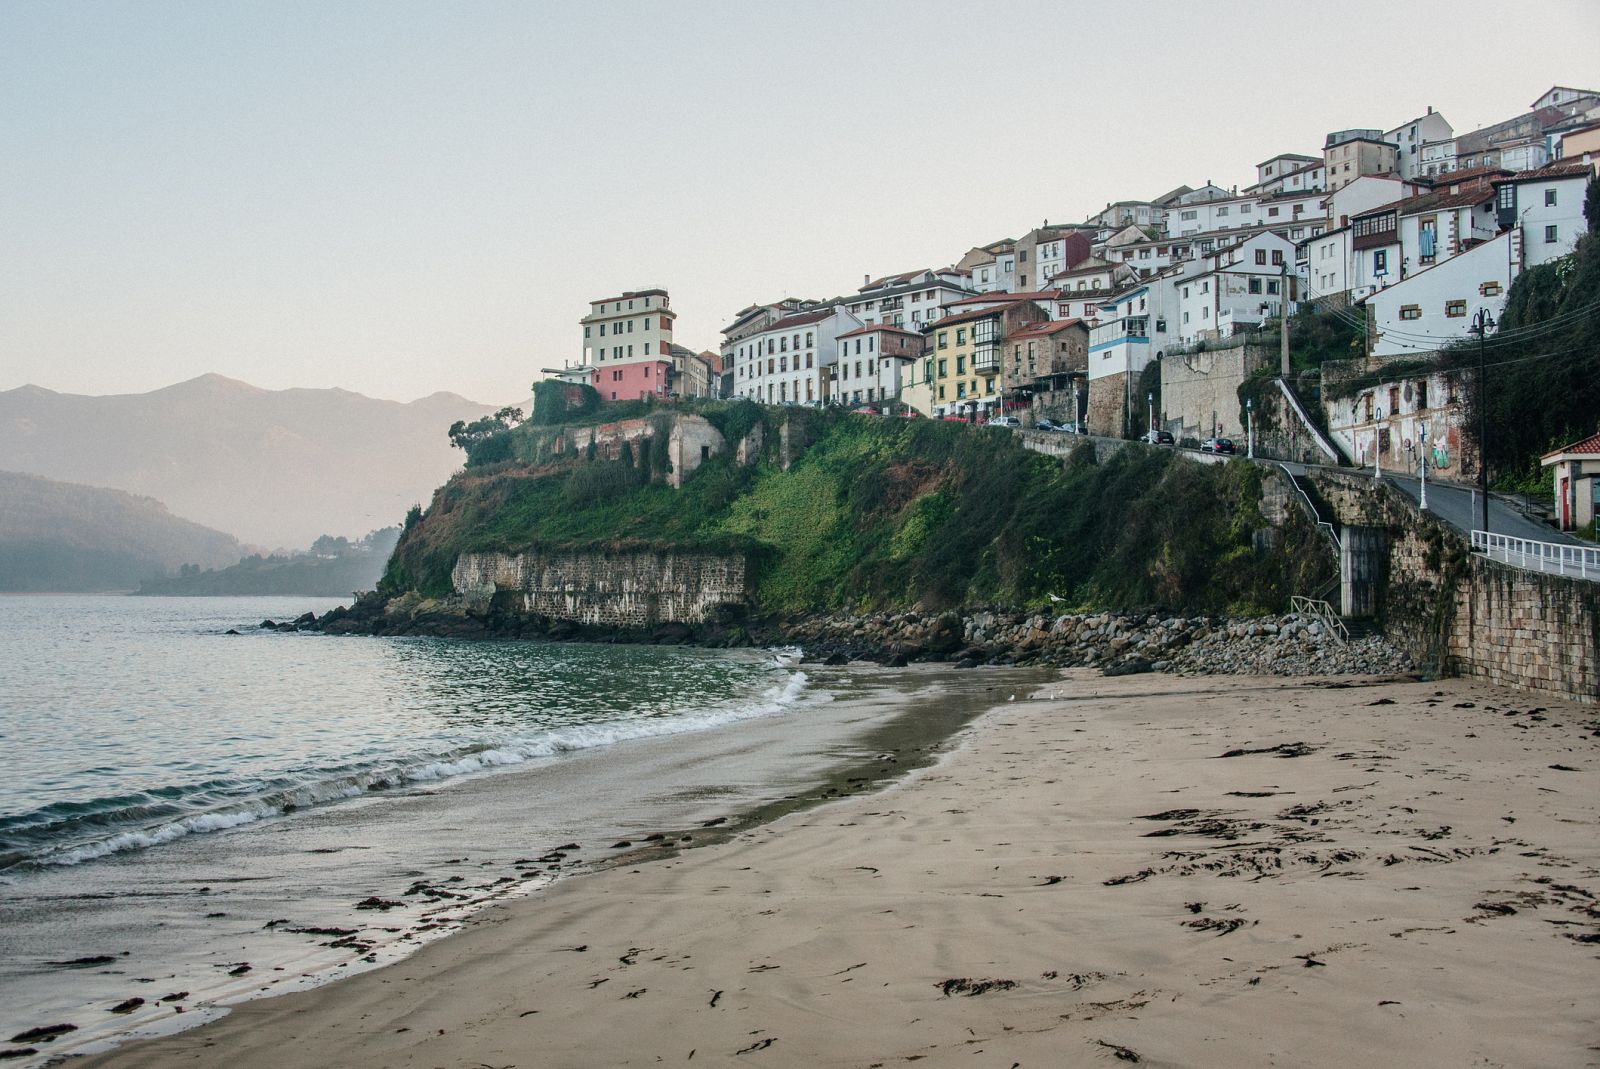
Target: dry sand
x,y
1410,879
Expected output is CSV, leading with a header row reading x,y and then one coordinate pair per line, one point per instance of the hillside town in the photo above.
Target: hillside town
x,y
1151,313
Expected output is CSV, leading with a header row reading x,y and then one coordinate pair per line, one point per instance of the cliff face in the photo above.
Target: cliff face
x,y
608,589
805,511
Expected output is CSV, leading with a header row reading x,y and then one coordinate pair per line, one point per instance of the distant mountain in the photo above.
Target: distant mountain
x,y
276,468
61,537
335,567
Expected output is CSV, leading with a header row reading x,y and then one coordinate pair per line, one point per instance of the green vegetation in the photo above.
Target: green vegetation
x,y
884,513
1543,364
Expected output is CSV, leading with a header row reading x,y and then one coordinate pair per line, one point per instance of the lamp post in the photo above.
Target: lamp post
x,y
1482,324
1423,434
1150,413
1250,427
1377,444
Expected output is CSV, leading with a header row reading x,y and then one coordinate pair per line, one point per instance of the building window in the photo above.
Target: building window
x,y
1380,261
1552,234
1549,198
944,343
1277,257
1455,309
1410,311
1489,289
1255,285
1261,256
961,335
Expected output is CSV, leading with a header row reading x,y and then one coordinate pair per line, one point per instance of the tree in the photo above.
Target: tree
x,y
1591,205
485,440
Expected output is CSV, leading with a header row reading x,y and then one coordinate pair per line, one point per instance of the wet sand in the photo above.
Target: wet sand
x,y
1170,871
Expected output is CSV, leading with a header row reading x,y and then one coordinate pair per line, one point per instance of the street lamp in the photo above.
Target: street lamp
x,y
1250,427
1423,434
1482,324
1150,413
1377,444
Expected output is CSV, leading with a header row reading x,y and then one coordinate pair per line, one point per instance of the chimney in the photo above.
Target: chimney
x,y
1430,109
865,279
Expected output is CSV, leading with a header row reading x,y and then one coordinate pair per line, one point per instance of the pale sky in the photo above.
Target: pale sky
x,y
398,198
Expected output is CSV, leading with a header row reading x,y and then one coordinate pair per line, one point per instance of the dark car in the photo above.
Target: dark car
x,y
1159,438
1218,445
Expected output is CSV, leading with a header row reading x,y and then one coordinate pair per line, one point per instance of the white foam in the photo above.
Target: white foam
x,y
165,833
775,699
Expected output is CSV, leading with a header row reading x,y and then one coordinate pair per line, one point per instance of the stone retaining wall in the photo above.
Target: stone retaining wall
x,y
634,589
1461,614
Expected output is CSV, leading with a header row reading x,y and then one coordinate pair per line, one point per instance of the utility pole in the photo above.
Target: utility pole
x,y
1283,320
1250,427
1482,323
1377,444
1150,414
1424,452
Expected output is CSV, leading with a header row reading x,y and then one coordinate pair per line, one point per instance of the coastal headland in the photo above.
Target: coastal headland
x,y
1147,869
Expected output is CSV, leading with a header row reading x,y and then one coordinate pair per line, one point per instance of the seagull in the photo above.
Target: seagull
x,y
1053,598
1012,698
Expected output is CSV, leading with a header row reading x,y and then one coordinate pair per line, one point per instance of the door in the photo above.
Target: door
x,y
1566,504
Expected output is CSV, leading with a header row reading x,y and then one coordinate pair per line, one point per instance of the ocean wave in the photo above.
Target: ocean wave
x,y
280,798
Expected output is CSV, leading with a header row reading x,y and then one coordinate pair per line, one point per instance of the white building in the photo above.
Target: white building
x,y
1435,306
1547,205
1323,264
875,363
792,360
913,299
1131,332
1364,194
1234,289
1275,170
1409,138
631,327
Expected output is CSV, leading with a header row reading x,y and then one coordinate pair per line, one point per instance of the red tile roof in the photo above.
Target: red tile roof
x,y
1589,446
1559,169
1001,295
875,328
1049,326
800,320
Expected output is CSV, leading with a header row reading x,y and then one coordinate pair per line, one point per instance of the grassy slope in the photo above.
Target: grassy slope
x,y
881,513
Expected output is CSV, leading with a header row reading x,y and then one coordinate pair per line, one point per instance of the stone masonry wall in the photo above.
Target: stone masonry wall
x,y
1200,391
610,589
1528,629
1107,401
1460,614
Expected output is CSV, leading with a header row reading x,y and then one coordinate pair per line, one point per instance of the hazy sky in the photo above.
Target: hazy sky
x,y
398,198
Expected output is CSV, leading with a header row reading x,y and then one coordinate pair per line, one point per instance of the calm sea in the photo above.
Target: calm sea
x,y
189,817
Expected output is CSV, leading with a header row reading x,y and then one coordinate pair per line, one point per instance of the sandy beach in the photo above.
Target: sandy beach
x,y
1155,870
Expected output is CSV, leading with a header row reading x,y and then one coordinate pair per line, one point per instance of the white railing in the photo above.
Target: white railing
x,y
1581,561
1323,613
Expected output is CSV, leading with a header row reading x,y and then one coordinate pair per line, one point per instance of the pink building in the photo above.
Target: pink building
x,y
633,381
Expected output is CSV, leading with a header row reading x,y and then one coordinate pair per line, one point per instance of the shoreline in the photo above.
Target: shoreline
x,y
1214,871
875,725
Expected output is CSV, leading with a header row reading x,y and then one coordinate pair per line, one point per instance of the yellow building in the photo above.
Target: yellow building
x,y
962,367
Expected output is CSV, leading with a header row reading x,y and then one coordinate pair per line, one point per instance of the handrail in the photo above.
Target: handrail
x,y
1323,613
1582,561
1322,441
1311,507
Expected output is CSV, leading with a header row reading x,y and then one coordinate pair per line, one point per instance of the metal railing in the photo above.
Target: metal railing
x,y
1322,613
1580,561
1311,508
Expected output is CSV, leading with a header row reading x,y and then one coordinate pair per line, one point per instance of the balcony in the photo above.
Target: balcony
x,y
986,360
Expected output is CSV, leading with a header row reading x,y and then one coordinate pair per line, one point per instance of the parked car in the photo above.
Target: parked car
x,y
1049,425
1158,438
864,410
1218,445
1005,421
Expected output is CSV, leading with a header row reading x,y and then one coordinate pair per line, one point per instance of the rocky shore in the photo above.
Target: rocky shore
x,y
1117,643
